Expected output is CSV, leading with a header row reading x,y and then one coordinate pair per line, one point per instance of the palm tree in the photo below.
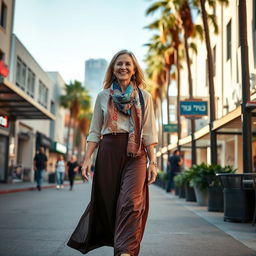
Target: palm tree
x,y
179,15
75,99
205,17
169,37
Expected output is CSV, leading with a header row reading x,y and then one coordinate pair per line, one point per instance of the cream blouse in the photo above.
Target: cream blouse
x,y
100,116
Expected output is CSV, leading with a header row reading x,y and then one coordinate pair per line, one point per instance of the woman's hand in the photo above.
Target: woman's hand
x,y
86,170
152,173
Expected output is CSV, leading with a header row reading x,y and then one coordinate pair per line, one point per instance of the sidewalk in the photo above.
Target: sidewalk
x,y
27,186
242,232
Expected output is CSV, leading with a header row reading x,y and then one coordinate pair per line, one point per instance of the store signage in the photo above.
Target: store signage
x,y
193,108
170,127
4,71
60,148
4,121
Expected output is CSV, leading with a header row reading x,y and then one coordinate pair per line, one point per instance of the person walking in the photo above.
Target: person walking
x,y
72,167
40,164
60,172
173,168
124,130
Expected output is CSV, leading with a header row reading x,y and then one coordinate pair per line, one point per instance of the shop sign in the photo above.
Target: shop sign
x,y
193,108
170,127
4,121
4,71
60,148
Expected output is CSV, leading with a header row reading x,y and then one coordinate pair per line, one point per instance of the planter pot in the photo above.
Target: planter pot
x,y
160,183
238,200
238,204
201,196
215,199
182,192
190,194
177,191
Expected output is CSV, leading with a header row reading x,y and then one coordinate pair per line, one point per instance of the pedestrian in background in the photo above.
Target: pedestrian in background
x,y
173,168
60,172
40,164
72,167
123,125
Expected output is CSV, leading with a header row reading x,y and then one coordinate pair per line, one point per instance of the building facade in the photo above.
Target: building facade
x,y
94,75
228,87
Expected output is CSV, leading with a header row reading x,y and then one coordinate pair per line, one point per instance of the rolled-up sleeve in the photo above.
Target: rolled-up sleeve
x,y
149,129
96,123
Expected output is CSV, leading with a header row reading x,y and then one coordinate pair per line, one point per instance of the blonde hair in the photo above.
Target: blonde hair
x,y
109,77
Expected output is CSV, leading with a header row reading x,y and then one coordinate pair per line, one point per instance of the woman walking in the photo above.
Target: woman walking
x,y
72,167
123,126
60,172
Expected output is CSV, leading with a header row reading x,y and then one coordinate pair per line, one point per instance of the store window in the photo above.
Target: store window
x,y
229,40
21,74
30,83
3,18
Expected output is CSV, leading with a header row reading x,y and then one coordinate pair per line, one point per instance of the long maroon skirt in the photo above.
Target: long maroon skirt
x,y
117,213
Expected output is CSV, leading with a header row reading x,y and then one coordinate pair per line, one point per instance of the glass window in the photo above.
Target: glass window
x,y
30,83
21,74
2,55
229,40
214,60
43,94
3,17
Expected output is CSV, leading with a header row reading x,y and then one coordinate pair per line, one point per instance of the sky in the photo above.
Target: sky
x,y
62,34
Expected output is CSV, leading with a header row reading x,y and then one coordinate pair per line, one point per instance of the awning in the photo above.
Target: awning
x,y
15,103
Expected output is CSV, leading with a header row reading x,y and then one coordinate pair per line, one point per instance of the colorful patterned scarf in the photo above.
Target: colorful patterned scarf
x,y
127,103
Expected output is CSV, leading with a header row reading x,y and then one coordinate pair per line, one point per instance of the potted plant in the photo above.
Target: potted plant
x,y
179,183
189,190
161,179
215,191
200,182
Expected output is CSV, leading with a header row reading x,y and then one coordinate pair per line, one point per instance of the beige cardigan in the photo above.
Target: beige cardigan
x,y
100,116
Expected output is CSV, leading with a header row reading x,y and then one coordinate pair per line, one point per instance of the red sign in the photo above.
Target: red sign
x,y
4,71
4,121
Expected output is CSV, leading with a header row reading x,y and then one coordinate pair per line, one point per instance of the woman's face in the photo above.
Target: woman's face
x,y
124,68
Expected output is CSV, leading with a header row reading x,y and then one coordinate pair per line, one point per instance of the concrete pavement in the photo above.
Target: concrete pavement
x,y
40,223
6,188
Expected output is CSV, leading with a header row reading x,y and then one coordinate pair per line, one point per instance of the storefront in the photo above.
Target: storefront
x,y
15,104
56,150
4,146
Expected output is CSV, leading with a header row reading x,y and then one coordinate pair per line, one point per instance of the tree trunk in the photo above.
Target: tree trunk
x,y
162,133
74,136
178,95
68,135
246,115
168,79
213,137
190,83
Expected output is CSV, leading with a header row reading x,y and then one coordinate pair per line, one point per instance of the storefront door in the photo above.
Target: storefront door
x,y
3,157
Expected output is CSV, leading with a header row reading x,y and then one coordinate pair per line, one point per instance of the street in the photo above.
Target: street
x,y
40,223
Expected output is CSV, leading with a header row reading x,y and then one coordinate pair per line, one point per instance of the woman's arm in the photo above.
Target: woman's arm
x,y
93,137
150,136
87,162
152,172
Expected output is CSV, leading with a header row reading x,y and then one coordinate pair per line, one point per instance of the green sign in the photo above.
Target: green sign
x,y
170,127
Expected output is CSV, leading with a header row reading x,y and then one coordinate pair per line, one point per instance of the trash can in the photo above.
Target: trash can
x,y
238,199
52,177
